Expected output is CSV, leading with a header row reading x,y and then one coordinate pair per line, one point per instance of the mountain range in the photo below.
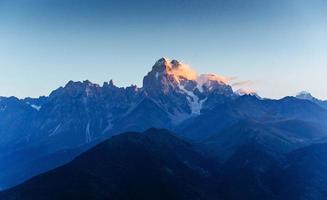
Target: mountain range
x,y
210,125
156,164
307,96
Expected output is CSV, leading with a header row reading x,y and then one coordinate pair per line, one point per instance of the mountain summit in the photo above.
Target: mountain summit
x,y
176,80
171,74
307,96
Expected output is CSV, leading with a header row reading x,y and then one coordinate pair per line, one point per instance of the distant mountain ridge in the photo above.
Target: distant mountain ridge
x,y
79,115
307,96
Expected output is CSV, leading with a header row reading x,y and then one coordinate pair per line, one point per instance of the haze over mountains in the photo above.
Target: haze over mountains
x,y
236,136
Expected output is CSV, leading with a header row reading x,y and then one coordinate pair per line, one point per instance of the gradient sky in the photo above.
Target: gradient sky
x,y
280,45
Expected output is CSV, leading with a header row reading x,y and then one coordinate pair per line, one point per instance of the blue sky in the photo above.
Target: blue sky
x,y
280,45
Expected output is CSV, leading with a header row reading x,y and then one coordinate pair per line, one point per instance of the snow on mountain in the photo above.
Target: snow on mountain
x,y
307,96
181,72
188,89
244,91
193,101
304,95
36,107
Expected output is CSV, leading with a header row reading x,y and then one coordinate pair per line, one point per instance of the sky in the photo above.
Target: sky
x,y
275,47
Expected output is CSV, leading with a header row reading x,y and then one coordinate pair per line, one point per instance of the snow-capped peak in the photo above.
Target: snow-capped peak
x,y
177,70
185,86
180,71
304,95
243,91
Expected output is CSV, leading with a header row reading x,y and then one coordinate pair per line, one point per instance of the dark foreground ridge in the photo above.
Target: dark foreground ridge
x,y
156,164
149,165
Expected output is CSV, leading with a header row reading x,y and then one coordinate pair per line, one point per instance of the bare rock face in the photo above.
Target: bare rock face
x,y
173,84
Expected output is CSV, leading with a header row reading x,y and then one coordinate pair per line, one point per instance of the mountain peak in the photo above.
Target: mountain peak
x,y
109,84
173,68
305,95
168,73
175,63
162,60
172,82
162,65
243,91
247,92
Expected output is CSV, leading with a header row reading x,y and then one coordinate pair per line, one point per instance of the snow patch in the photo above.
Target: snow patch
x,y
202,101
193,100
200,87
55,131
88,133
304,95
36,107
109,126
243,91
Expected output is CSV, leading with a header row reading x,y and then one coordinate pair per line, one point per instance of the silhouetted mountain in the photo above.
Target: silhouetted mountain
x,y
247,173
303,175
156,164
149,165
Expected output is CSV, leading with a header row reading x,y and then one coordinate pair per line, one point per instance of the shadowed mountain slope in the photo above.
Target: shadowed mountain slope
x,y
149,165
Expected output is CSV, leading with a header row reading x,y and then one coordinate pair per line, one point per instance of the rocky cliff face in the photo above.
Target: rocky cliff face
x,y
180,90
